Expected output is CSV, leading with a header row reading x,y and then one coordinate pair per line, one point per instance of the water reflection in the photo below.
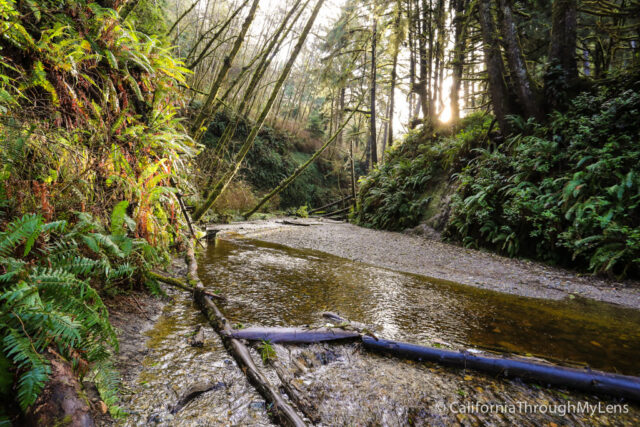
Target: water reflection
x,y
272,285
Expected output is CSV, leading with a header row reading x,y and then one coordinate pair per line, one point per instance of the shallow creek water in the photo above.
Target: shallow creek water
x,y
272,285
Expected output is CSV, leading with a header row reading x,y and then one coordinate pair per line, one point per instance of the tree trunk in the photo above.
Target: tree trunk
x,y
517,65
282,410
61,398
285,183
196,128
585,380
458,57
353,171
562,51
372,122
222,28
222,184
424,59
394,76
293,335
343,91
258,74
494,64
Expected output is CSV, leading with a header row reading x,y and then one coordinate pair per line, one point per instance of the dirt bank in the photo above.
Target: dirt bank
x,y
433,258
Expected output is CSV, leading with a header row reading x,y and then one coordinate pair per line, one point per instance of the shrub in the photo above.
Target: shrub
x,y
567,192
394,196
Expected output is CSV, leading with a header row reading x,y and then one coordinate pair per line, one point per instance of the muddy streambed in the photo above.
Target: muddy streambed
x,y
271,285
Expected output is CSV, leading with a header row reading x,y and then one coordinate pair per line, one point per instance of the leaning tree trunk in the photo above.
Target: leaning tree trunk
x,y
285,182
258,74
222,184
196,128
495,66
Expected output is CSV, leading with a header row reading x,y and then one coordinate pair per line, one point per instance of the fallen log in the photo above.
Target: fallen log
x,y
296,395
293,335
280,408
585,380
338,212
61,398
180,284
301,224
194,391
349,197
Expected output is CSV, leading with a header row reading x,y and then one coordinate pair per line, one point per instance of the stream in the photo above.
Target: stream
x,y
271,285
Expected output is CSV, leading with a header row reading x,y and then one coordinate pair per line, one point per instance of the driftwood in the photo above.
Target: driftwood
x,y
281,409
296,395
293,335
289,222
349,197
180,284
194,391
338,212
584,380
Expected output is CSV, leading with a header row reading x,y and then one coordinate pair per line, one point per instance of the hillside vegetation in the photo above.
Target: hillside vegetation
x,y
565,192
89,146
275,155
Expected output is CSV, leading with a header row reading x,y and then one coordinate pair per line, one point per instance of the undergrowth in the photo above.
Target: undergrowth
x,y
566,191
47,299
395,195
91,152
274,156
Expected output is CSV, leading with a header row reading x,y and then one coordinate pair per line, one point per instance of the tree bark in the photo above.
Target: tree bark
x,y
562,51
224,26
60,399
458,57
585,380
517,65
494,64
372,121
293,335
282,410
394,76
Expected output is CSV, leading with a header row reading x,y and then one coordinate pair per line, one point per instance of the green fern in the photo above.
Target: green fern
x,y
46,299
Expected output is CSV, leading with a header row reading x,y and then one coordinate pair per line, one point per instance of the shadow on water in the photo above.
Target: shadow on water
x,y
272,285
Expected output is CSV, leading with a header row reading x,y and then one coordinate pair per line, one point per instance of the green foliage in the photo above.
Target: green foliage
x,y
395,195
272,158
90,137
267,351
302,211
47,299
315,124
105,127
567,192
